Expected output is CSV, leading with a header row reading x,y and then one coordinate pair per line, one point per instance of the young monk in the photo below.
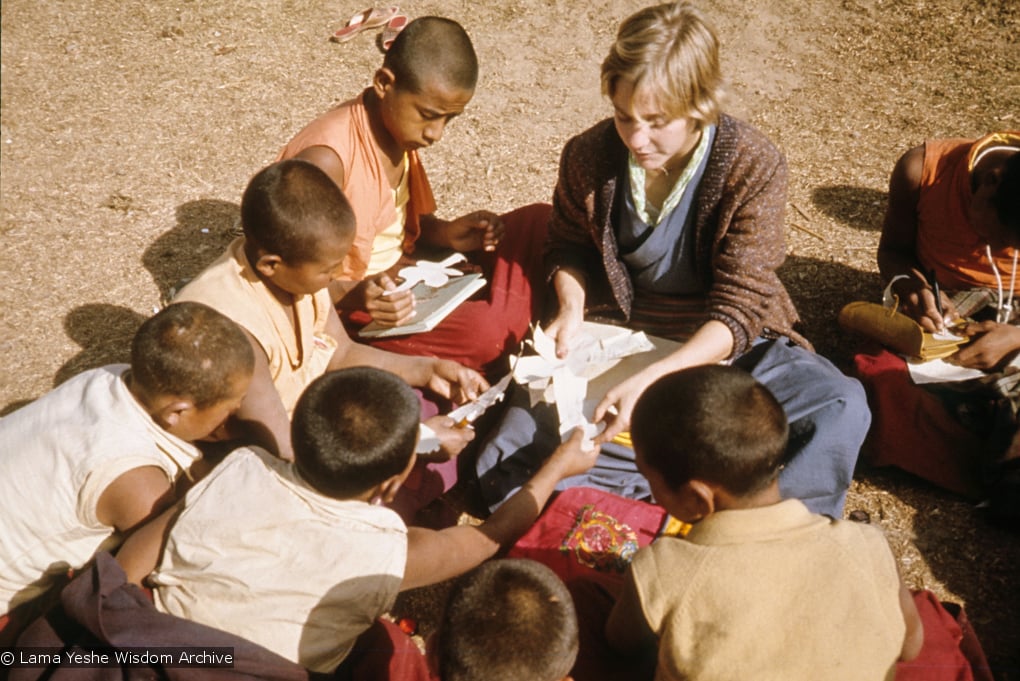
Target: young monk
x,y
273,281
506,620
953,219
760,587
668,219
369,146
87,463
308,556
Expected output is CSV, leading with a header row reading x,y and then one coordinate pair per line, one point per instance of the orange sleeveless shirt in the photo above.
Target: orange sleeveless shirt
x,y
946,242
346,130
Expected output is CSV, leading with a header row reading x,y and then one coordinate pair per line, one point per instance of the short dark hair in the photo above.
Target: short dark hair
x,y
432,47
190,350
353,429
289,207
1007,196
712,423
507,620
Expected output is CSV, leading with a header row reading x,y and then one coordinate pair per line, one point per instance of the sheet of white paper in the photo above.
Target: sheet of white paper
x,y
595,350
939,371
428,441
568,392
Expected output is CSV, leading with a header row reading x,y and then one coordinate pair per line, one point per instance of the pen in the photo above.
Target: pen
x,y
938,295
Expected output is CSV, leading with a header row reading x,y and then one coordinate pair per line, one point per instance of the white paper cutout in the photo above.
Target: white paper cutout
x,y
434,274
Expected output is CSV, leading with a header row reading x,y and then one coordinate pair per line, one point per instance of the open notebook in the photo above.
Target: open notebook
x,y
431,306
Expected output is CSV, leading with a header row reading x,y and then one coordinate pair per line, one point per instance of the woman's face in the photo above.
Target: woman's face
x,y
657,141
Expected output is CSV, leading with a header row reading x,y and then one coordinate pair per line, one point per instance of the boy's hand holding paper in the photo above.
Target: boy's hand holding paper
x,y
387,305
436,289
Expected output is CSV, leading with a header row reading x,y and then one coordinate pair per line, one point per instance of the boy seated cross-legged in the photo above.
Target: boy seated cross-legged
x,y
761,587
84,465
370,147
273,281
302,557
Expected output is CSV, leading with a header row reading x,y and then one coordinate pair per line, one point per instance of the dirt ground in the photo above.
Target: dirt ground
x,y
129,130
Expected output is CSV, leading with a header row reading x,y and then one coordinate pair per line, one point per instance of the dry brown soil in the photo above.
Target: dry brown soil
x,y
130,128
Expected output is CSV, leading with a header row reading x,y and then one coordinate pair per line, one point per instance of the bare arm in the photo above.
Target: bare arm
x,y
327,160
897,248
480,230
262,415
445,378
914,638
569,283
140,553
435,556
134,497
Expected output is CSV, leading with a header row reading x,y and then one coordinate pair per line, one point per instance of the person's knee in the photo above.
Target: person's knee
x,y
851,404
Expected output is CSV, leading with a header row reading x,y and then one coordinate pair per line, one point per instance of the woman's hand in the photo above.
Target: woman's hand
x,y
617,406
563,329
569,286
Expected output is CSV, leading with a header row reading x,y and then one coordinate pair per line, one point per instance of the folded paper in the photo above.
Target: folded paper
x,y
564,381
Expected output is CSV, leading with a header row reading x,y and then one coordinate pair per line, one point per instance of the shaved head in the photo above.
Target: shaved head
x,y
432,49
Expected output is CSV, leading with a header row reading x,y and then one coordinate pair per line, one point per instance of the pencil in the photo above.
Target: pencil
x,y
938,295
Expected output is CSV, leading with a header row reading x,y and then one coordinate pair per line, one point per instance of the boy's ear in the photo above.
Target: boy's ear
x,y
383,80
267,264
169,414
701,497
389,488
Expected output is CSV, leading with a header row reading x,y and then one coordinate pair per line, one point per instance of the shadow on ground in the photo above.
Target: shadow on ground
x,y
204,229
104,333
858,207
819,289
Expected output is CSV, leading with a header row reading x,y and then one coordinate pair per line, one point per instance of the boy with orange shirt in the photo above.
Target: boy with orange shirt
x,y
369,147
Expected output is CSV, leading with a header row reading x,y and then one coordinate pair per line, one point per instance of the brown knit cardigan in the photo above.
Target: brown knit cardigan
x,y
738,223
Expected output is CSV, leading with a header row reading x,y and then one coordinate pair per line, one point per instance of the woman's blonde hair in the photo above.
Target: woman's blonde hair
x,y
672,51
